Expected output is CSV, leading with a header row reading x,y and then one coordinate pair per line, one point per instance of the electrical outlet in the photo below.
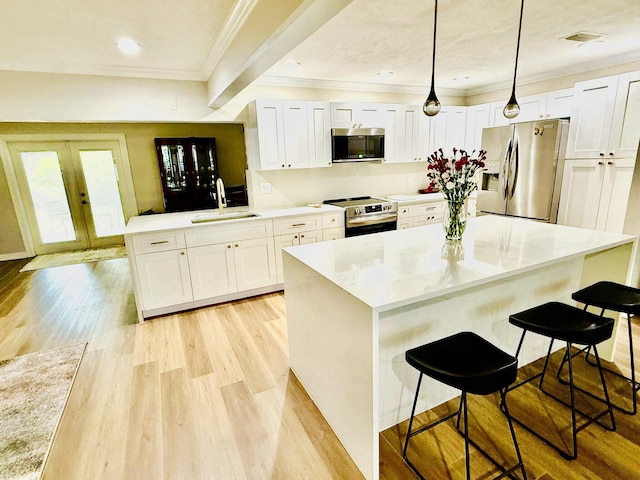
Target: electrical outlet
x,y
265,188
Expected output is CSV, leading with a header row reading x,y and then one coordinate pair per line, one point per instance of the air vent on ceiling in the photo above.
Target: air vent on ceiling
x,y
583,37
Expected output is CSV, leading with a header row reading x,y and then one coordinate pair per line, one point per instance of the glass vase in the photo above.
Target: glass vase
x,y
454,220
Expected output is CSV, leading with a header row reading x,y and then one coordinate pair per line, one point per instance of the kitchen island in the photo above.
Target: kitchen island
x,y
354,306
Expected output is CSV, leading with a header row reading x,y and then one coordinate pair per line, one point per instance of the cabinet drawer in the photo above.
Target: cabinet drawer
x,y
332,233
158,241
333,219
405,212
229,232
296,224
428,209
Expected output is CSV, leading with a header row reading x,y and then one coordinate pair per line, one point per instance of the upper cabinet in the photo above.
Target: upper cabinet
x,y
356,115
287,134
604,118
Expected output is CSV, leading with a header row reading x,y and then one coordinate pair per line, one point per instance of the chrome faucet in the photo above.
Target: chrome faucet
x,y
222,197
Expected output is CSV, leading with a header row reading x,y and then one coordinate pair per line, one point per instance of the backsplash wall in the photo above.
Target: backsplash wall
x,y
298,187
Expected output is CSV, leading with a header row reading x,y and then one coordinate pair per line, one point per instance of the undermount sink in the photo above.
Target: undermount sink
x,y
216,217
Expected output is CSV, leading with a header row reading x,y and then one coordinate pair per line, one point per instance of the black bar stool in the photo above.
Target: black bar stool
x,y
618,298
574,326
467,362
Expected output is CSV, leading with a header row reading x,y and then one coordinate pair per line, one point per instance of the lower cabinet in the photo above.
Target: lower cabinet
x,y
595,193
290,240
163,278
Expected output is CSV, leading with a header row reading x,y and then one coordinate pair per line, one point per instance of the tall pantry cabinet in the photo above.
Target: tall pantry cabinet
x,y
601,152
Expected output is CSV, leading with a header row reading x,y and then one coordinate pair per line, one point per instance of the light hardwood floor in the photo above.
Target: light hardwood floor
x,y
207,394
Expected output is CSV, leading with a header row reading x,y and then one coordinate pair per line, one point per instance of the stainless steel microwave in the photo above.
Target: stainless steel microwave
x,y
357,145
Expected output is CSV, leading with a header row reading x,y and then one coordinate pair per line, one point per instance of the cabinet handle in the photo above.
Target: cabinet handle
x,y
159,243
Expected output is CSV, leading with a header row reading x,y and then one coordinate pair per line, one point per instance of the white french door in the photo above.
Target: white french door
x,y
71,193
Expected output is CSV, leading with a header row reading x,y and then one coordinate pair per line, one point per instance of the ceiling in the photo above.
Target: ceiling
x,y
185,40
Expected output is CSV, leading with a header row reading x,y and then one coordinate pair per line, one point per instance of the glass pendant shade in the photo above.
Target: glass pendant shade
x,y
511,109
432,105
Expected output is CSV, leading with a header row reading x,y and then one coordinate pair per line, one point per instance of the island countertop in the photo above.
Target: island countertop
x,y
396,268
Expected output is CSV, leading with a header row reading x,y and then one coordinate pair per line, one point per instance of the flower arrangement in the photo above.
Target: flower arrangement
x,y
454,177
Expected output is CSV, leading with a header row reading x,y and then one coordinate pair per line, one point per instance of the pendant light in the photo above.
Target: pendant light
x,y
512,109
432,105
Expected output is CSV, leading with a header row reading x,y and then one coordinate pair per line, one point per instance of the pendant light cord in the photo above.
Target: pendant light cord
x,y
515,69
433,60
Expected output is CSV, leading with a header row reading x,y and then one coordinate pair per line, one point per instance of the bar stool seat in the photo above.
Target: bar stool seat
x,y
618,298
559,321
473,365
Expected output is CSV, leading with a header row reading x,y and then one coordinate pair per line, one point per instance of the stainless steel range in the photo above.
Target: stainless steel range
x,y
365,215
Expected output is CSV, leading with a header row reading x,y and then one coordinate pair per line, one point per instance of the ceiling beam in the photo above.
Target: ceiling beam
x,y
269,30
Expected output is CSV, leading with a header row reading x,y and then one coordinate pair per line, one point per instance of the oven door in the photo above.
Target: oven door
x,y
370,224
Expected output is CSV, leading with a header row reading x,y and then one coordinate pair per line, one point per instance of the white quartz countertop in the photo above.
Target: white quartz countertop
x,y
171,221
392,269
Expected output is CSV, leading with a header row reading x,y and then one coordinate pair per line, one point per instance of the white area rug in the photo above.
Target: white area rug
x,y
70,258
33,393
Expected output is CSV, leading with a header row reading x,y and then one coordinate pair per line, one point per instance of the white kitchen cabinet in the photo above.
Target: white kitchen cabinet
x,y
212,270
478,117
293,231
254,261
407,133
448,129
419,214
163,278
286,134
605,117
356,115
595,193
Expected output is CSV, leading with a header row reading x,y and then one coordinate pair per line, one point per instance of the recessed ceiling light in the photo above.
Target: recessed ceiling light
x,y
384,75
291,65
128,46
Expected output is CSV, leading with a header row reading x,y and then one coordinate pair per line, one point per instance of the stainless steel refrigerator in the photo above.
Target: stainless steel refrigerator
x,y
523,172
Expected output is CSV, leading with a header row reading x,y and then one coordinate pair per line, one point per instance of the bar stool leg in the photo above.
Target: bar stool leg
x,y
635,386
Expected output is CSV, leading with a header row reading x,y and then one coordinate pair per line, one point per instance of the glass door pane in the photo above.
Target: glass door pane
x,y
46,186
102,195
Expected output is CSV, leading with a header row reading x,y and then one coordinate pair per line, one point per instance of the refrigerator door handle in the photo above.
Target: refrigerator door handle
x,y
506,167
514,168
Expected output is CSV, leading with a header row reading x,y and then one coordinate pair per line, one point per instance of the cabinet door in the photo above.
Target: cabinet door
x,y
559,103
255,263
448,129
478,117
270,134
296,134
164,279
625,129
615,194
532,107
212,270
591,117
580,194
319,133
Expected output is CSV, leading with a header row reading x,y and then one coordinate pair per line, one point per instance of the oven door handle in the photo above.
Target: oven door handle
x,y
371,220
